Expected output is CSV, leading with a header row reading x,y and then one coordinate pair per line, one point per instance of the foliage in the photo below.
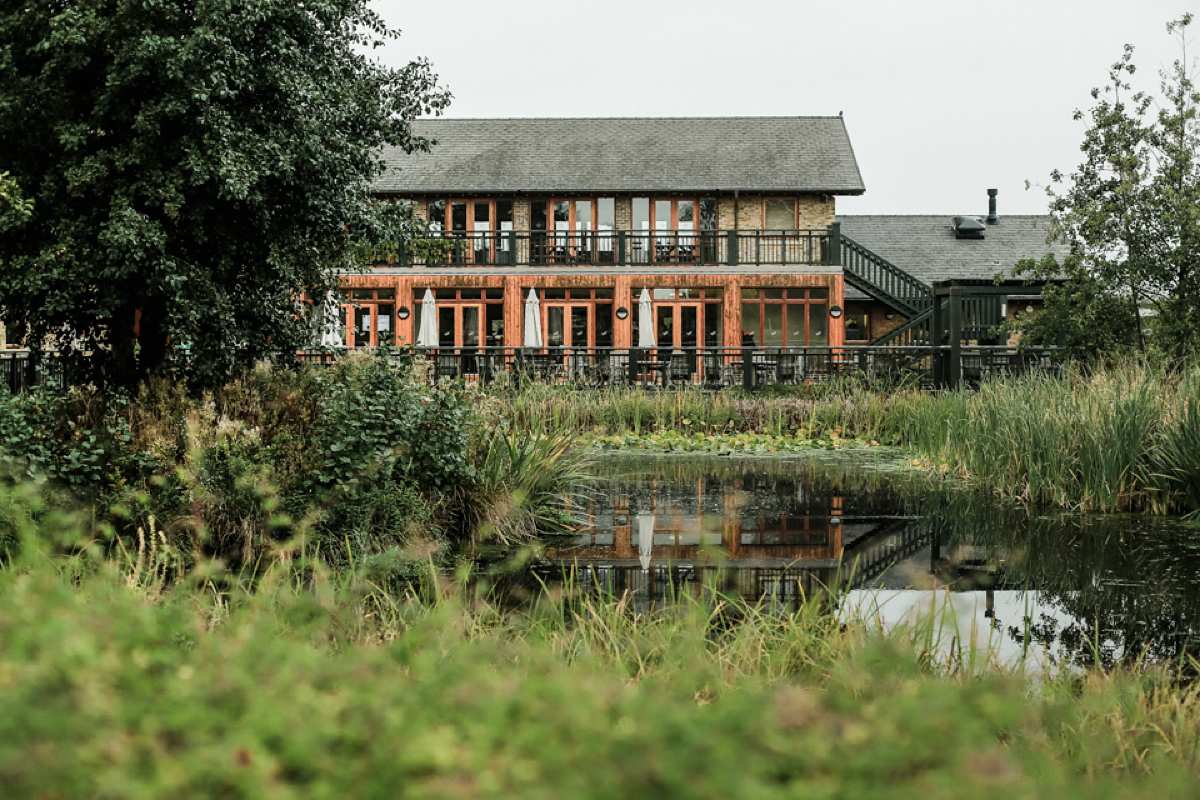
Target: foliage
x,y
14,207
1131,215
1117,439
312,689
194,168
519,493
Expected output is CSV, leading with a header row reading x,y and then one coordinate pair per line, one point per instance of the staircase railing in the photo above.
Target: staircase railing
x,y
883,280
913,332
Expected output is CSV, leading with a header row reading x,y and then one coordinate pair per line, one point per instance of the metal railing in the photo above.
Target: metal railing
x,y
666,367
882,279
618,248
20,370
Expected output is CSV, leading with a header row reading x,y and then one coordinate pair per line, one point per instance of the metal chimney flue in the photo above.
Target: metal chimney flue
x,y
992,219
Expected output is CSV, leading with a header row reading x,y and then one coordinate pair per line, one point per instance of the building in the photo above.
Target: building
x,y
728,224
933,249
725,222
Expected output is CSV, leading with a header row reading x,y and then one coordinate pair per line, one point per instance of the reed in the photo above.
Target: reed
x,y
1123,438
314,685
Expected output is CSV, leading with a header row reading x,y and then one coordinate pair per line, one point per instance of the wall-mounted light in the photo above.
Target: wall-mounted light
x,y
835,311
622,312
1029,308
835,521
890,315
402,312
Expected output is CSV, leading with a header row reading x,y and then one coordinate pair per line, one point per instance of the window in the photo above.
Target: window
x,y
483,224
793,317
779,214
374,314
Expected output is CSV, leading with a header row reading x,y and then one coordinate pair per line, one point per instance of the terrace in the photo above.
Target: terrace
x,y
621,248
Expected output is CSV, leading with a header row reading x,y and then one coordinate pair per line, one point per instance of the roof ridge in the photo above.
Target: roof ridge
x,y
593,119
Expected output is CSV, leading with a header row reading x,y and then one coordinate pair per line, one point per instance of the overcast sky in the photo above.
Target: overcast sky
x,y
942,100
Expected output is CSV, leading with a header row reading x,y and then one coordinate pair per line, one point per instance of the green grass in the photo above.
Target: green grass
x,y
310,687
1118,439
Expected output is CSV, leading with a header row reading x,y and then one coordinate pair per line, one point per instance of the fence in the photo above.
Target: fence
x,y
666,367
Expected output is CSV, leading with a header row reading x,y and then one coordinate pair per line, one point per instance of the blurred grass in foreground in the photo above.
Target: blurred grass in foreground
x,y
315,686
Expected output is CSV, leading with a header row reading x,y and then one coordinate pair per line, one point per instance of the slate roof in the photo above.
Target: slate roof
x,y
925,247
619,155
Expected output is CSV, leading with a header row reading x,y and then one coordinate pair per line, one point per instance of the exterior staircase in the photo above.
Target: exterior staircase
x,y
873,274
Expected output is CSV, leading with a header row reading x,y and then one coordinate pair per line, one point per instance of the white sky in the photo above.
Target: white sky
x,y
942,100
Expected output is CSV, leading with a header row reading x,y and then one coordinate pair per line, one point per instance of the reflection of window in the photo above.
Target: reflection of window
x,y
785,317
779,214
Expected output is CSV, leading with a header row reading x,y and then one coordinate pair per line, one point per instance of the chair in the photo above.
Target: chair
x,y
446,365
679,369
787,370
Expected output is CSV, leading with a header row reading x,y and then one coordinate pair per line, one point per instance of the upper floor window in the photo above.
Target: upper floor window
x,y
779,213
674,214
471,216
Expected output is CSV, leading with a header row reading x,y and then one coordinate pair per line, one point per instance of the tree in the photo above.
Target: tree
x,y
14,207
194,167
1131,215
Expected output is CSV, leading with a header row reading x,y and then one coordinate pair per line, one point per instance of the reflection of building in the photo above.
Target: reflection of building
x,y
706,520
726,222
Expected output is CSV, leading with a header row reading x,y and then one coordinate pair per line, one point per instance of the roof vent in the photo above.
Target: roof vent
x,y
968,228
992,219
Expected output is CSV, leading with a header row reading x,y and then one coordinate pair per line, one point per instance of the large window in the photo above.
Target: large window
x,y
374,316
577,317
671,229
572,230
785,317
481,223
465,317
683,318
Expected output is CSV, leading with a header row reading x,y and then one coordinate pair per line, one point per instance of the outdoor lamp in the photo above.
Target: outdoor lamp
x,y
622,312
402,312
835,311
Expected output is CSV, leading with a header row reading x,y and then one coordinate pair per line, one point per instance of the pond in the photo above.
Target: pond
x,y
887,545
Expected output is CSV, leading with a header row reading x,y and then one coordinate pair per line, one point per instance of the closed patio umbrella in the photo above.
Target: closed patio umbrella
x,y
533,320
428,335
331,322
645,538
645,322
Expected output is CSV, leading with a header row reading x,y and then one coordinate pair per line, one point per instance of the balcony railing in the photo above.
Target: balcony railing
x,y
618,249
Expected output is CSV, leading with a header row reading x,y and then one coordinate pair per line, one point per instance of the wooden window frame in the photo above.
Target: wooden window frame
x,y
785,301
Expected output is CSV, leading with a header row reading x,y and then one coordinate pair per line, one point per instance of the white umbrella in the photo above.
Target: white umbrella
x,y
428,335
645,538
533,320
331,322
645,322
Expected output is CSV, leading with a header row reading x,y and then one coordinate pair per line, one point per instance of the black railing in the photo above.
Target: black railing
x,y
21,370
618,248
882,279
666,367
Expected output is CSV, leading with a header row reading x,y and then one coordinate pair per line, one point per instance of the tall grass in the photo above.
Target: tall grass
x,y
1124,438
312,686
620,410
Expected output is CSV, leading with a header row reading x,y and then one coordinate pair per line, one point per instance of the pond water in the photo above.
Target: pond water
x,y
891,546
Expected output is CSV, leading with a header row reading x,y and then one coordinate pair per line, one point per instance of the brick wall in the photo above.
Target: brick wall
x,y
725,211
623,209
813,212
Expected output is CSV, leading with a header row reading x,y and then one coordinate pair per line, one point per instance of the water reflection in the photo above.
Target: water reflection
x,y
1083,590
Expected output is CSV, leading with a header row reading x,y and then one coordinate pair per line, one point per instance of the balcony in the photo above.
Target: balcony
x,y
662,248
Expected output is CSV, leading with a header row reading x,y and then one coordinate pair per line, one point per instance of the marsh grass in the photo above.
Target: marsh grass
x,y
620,410
1122,438
315,684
